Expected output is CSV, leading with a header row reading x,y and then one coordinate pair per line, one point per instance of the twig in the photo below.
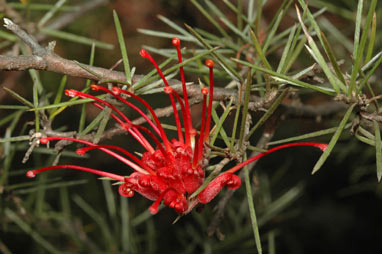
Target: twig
x,y
25,37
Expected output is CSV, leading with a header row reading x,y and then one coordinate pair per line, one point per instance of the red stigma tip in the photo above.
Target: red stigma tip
x,y
322,147
193,132
143,53
210,63
94,87
153,209
80,151
204,90
44,141
116,90
126,126
168,89
30,174
176,42
71,92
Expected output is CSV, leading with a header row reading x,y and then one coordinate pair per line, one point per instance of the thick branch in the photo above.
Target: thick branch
x,y
21,63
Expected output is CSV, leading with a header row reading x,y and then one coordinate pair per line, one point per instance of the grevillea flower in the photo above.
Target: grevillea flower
x,y
172,171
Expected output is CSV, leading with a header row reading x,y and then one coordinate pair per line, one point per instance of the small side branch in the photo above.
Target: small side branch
x,y
25,37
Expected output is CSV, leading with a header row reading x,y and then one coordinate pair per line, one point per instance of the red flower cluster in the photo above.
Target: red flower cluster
x,y
172,171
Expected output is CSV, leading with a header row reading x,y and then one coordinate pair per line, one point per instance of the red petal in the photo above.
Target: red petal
x,y
215,186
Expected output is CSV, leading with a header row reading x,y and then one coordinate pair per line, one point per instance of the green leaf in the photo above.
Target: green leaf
x,y
245,108
126,238
37,89
282,65
311,19
98,218
26,227
8,36
41,7
378,150
377,60
220,59
236,121
105,119
165,35
286,79
9,117
216,40
143,216
357,31
15,139
19,98
122,46
174,25
370,142
267,114
86,68
59,93
360,49
110,200
75,38
51,13
16,107
315,52
308,135
235,29
334,7
337,34
60,90
282,11
88,82
219,124
240,14
366,133
332,59
278,205
273,30
92,125
252,211
44,186
333,140
8,151
72,101
371,39
210,18
64,105
259,50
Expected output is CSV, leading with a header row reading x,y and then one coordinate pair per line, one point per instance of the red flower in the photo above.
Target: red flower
x,y
170,172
